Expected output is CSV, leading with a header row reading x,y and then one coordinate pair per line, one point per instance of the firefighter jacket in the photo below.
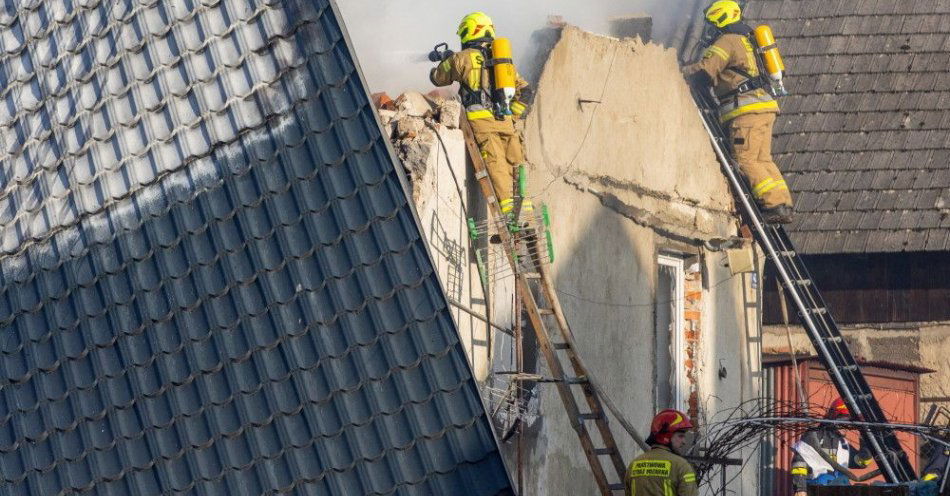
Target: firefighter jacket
x,y
807,463
468,68
936,464
731,66
660,472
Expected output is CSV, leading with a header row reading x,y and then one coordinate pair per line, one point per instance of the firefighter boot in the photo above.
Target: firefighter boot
x,y
781,214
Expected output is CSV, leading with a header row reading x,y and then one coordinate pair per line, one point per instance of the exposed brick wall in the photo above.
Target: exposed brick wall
x,y
693,321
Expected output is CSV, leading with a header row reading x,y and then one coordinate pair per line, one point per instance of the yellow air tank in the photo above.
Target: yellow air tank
x,y
770,54
505,74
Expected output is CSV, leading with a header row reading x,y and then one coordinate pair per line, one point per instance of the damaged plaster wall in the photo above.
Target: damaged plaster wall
x,y
426,137
618,152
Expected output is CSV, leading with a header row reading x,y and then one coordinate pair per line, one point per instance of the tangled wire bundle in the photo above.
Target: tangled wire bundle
x,y
730,432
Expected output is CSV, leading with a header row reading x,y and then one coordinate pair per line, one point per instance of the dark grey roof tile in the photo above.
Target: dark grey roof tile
x,y
939,179
915,241
928,199
937,239
812,242
855,242
825,221
298,261
907,199
889,220
886,200
834,242
870,221
928,219
848,219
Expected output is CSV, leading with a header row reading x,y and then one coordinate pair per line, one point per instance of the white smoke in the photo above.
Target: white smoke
x,y
392,37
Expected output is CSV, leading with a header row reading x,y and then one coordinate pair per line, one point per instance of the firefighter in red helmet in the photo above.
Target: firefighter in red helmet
x,y
661,471
823,456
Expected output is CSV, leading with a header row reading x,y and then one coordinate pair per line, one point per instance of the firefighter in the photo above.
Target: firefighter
x,y
937,464
661,471
819,451
500,144
730,67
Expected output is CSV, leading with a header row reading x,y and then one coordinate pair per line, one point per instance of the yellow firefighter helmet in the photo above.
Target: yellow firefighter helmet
x,y
475,26
723,13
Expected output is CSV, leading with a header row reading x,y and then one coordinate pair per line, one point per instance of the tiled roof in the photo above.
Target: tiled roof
x,y
211,280
864,137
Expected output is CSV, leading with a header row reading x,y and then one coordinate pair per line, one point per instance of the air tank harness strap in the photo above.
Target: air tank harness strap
x,y
750,84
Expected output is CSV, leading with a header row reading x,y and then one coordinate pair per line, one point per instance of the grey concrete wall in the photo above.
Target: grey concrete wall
x,y
627,176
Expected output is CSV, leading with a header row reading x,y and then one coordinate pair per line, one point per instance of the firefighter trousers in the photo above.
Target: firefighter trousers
x,y
751,136
502,151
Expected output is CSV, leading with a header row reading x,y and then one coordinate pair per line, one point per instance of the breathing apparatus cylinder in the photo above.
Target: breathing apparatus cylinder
x,y
771,58
505,76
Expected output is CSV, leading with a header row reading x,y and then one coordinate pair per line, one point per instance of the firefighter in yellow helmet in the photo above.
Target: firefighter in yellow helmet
x,y
661,471
499,142
729,66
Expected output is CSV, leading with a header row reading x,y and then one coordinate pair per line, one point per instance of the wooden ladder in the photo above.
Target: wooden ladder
x,y
555,340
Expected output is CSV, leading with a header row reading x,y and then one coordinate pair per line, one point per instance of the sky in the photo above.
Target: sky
x,y
393,37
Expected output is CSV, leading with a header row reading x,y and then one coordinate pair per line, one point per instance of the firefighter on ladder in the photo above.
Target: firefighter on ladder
x,y
730,66
823,456
492,120
661,471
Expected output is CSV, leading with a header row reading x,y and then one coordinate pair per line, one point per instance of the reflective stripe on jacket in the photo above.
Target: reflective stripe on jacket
x,y
660,472
725,61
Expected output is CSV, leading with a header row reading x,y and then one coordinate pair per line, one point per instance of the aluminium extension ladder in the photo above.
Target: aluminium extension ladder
x,y
815,315
555,340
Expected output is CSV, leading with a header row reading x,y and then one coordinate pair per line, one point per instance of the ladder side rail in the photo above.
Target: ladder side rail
x,y
550,295
867,402
563,389
779,237
534,314
810,325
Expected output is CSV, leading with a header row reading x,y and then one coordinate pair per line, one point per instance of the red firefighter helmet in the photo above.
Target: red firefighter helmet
x,y
668,422
838,409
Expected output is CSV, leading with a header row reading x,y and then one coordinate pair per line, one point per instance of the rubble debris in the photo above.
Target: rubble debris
x,y
414,104
382,101
413,126
450,113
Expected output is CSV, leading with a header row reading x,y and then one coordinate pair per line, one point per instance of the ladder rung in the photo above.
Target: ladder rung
x,y
803,282
834,339
617,487
590,416
604,451
849,367
560,346
532,275
576,380
479,174
546,311
818,311
787,253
